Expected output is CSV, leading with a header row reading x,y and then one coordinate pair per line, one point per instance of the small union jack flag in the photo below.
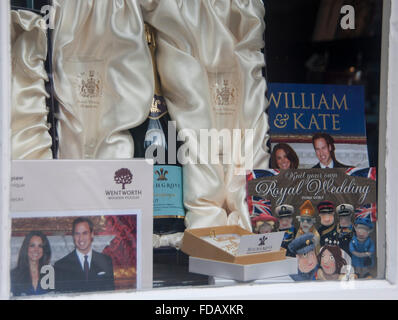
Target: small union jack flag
x,y
261,206
367,210
362,172
255,174
255,204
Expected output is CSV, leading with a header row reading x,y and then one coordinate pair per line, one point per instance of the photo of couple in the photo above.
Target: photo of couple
x,y
284,157
45,264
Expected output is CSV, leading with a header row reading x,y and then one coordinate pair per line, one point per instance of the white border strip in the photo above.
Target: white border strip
x,y
381,170
392,147
5,103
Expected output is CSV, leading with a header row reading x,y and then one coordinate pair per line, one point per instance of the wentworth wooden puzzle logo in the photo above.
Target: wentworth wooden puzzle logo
x,y
123,177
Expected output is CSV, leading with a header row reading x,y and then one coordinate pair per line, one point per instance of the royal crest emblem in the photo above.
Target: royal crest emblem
x,y
155,104
161,174
226,95
90,85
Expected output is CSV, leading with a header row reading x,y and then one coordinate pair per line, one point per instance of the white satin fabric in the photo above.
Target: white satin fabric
x,y
205,47
167,240
103,77
30,138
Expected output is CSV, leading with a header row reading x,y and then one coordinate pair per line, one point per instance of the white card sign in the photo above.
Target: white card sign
x,y
258,243
48,195
59,185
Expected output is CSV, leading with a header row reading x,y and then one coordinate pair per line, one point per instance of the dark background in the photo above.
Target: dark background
x,y
305,44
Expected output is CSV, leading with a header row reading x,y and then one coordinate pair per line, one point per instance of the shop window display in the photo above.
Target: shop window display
x,y
83,91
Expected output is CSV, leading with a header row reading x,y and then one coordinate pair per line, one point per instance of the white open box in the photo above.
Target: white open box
x,y
195,245
243,272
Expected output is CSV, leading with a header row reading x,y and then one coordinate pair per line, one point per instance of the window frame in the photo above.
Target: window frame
x,y
387,235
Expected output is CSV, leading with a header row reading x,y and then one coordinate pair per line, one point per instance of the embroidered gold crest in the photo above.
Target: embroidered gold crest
x,y
155,104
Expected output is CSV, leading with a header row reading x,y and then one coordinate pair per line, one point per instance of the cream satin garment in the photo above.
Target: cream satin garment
x,y
210,63
102,75
30,138
252,152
